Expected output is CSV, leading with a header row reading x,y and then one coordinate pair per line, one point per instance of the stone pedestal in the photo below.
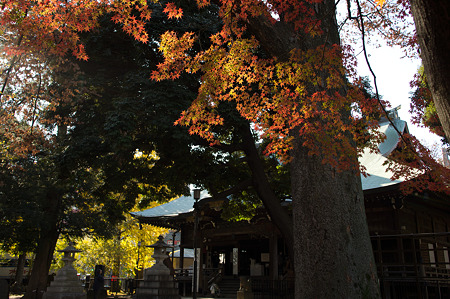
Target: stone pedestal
x,y
245,289
66,284
158,283
4,289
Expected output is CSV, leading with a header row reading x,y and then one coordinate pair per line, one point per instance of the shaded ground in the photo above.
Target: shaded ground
x,y
121,296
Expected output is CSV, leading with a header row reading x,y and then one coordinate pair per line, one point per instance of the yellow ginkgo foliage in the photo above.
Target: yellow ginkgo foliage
x,y
121,255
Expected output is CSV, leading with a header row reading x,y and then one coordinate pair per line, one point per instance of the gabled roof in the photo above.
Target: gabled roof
x,y
183,204
161,214
165,214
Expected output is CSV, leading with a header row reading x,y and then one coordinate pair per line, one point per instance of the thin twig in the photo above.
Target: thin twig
x,y
35,105
11,67
360,17
401,135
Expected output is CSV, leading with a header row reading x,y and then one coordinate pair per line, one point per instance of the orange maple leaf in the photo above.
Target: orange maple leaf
x,y
380,2
203,3
172,11
80,52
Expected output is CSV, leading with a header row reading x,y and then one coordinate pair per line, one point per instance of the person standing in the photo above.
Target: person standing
x,y
99,282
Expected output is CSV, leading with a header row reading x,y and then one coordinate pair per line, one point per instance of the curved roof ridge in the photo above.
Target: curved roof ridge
x,y
174,207
378,175
392,137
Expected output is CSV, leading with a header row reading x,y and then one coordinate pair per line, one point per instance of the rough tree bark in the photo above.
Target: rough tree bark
x,y
49,233
44,253
18,279
333,254
334,257
432,20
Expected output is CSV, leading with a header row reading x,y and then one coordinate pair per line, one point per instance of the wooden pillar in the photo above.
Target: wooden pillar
x,y
181,257
273,251
200,267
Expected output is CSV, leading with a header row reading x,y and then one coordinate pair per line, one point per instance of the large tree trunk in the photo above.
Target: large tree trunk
x,y
334,257
432,19
39,274
18,279
333,254
44,253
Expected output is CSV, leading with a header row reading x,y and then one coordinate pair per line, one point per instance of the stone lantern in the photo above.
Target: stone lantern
x,y
66,283
158,282
69,254
160,254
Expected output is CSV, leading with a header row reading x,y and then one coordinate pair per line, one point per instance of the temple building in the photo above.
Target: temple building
x,y
410,237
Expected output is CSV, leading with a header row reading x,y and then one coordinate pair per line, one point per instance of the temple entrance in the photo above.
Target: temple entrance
x,y
248,258
225,258
254,257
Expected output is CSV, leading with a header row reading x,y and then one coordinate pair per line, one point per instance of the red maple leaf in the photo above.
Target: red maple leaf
x,y
172,11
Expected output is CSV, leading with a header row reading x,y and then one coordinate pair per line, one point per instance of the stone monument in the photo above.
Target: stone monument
x,y
158,282
66,284
4,289
245,289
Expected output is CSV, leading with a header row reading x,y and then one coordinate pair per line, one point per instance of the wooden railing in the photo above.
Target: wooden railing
x,y
266,288
413,265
